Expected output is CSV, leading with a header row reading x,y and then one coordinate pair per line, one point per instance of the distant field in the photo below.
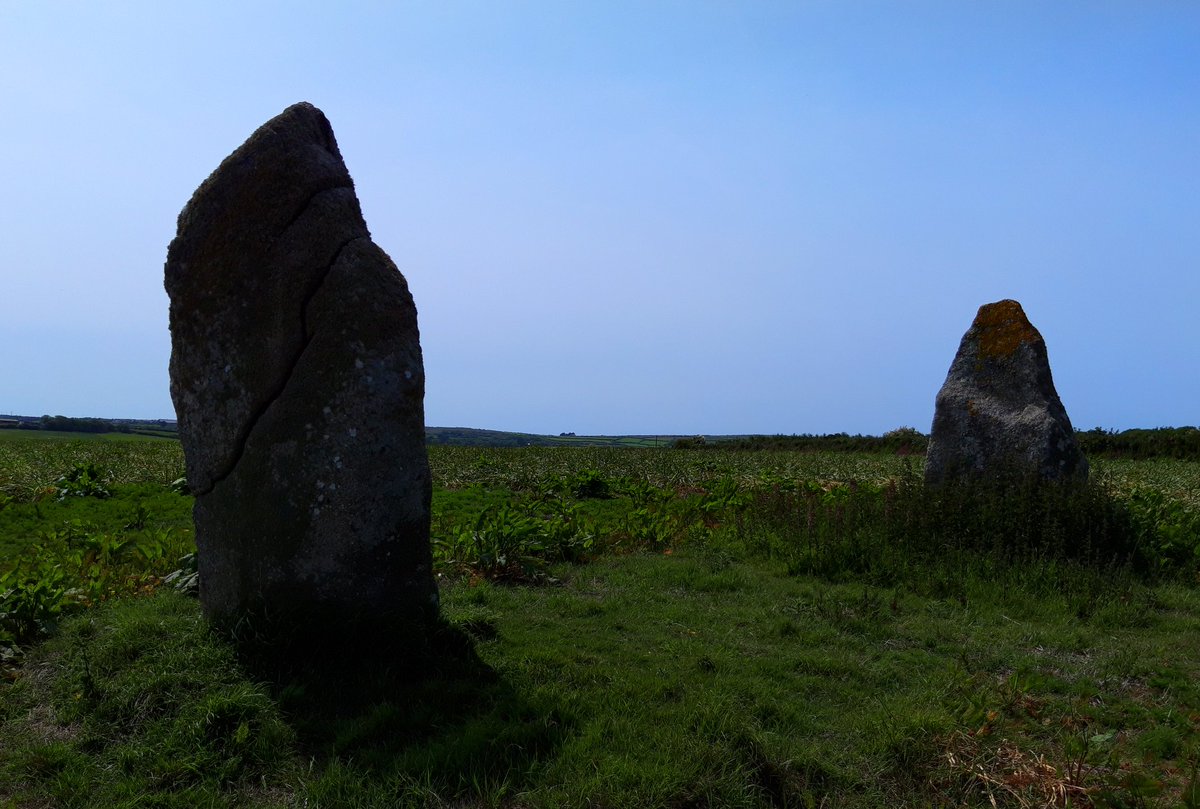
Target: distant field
x,y
59,435
434,435
465,436
33,460
29,459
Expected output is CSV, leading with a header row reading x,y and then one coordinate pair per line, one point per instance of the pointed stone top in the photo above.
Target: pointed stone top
x,y
267,180
301,109
300,123
1001,328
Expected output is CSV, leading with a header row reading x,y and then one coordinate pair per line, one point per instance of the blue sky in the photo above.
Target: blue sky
x,y
650,217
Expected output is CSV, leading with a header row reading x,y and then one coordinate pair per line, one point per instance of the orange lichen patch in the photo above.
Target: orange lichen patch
x,y
1003,328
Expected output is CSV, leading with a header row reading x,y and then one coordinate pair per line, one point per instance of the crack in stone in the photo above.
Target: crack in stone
x,y
333,184
253,419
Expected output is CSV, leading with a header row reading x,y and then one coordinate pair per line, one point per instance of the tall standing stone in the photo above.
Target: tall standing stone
x,y
297,379
998,411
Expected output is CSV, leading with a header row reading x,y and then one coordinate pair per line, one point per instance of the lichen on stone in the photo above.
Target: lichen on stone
x,y
1003,328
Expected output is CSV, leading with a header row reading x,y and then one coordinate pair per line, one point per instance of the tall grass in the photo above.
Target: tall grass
x,y
888,530
929,537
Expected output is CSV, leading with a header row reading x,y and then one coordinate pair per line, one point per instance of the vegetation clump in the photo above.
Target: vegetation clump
x,y
84,480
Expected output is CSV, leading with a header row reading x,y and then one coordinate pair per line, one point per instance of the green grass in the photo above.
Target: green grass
x,y
146,506
139,704
735,629
697,679
646,680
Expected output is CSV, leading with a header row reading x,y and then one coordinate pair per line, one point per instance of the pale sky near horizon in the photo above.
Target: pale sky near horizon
x,y
638,217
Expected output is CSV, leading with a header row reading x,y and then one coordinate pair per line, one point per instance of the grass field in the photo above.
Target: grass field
x,y
623,627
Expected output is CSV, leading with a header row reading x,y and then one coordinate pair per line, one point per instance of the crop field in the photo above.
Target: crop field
x,y
28,464
626,627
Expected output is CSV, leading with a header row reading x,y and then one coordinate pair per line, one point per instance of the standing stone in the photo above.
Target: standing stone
x,y
998,411
297,379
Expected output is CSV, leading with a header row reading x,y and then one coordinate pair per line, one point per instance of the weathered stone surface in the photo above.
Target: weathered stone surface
x,y
297,379
998,411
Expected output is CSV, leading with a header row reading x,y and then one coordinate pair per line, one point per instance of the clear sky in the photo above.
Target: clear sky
x,y
637,217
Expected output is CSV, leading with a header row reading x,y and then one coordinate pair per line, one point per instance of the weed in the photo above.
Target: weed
x,y
83,480
514,544
185,579
589,484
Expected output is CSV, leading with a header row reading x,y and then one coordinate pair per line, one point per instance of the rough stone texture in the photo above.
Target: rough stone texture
x,y
297,379
998,410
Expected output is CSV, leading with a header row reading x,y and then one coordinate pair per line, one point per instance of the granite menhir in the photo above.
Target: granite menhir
x,y
998,411
298,383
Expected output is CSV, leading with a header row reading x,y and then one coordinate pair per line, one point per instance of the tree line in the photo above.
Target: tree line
x,y
1181,443
67,424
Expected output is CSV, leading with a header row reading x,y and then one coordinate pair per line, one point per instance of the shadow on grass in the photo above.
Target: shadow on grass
x,y
387,703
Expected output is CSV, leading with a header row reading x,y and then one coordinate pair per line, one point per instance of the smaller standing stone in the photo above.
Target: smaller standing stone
x,y
998,411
